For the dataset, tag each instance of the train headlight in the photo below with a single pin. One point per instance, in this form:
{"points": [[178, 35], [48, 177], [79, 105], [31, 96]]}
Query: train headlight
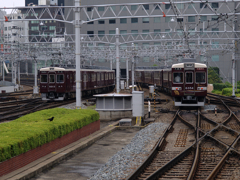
{"points": [[202, 88], [177, 88]]}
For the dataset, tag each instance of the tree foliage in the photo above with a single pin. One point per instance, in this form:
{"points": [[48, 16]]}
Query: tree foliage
{"points": [[213, 75]]}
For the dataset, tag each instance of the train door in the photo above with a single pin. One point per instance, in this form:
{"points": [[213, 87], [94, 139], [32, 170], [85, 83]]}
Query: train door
{"points": [[52, 82], [189, 83], [85, 78]]}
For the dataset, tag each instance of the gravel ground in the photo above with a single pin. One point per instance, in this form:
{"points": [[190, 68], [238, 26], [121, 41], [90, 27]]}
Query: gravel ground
{"points": [[124, 162]]}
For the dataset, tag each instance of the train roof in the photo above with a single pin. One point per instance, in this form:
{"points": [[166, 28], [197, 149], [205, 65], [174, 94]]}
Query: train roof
{"points": [[71, 69], [197, 65]]}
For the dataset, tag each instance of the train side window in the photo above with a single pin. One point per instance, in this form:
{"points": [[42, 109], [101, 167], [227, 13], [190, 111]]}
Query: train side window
{"points": [[189, 77], [98, 76], [178, 77], [60, 78], [102, 76], [85, 78], [106, 76], [43, 78], [51, 78], [200, 77], [93, 77]]}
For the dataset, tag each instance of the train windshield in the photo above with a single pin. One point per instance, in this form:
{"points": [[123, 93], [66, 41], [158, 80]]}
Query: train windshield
{"points": [[189, 77], [200, 77], [51, 78], [43, 78], [60, 78], [178, 77]]}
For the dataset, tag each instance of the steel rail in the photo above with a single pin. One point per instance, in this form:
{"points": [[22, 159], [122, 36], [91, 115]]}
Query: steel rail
{"points": [[153, 153]]}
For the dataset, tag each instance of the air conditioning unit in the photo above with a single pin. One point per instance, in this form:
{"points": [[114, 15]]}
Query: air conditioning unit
{"points": [[53, 2]]}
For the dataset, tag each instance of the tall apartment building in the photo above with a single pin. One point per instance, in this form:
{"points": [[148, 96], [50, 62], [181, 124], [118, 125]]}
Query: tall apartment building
{"points": [[214, 58]]}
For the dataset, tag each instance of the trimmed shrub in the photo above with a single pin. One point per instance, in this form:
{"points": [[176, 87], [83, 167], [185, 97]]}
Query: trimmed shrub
{"points": [[33, 130]]}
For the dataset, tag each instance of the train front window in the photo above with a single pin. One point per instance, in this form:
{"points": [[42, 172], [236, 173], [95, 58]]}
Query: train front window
{"points": [[178, 77], [189, 77], [60, 78], [43, 78], [200, 77], [51, 78]]}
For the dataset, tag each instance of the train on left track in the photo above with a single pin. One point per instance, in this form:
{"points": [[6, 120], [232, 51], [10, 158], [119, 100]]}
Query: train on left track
{"points": [[59, 83]]}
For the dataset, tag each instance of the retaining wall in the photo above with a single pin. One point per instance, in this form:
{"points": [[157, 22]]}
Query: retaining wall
{"points": [[34, 154]]}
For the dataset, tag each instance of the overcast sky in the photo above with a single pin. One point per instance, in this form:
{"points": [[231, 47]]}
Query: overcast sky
{"points": [[11, 3]]}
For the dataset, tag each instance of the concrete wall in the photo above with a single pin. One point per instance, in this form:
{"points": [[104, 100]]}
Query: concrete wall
{"points": [[8, 89], [114, 115]]}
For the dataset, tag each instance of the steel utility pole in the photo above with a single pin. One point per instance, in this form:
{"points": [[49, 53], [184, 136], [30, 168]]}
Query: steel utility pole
{"points": [[77, 51], [117, 61]]}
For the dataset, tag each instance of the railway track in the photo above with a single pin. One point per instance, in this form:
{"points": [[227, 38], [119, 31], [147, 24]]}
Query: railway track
{"points": [[27, 106], [197, 146]]}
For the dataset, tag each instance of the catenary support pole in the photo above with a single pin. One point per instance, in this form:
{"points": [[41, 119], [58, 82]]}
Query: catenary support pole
{"points": [[19, 81], [233, 73], [127, 72], [35, 88], [117, 61], [3, 72], [133, 56], [77, 51]]}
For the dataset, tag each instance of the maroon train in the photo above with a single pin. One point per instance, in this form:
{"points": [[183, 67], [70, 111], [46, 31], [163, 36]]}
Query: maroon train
{"points": [[57, 83], [186, 82]]}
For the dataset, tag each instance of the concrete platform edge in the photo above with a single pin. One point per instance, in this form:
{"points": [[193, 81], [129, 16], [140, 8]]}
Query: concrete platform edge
{"points": [[53, 158]]}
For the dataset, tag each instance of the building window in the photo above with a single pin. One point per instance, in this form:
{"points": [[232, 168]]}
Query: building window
{"points": [[167, 19], [191, 32], [112, 31], [215, 5], [101, 33], [123, 20], [123, 8], [214, 18], [9, 28], [215, 31], [191, 6], [5, 28], [44, 28], [134, 7], [157, 19], [89, 8], [101, 22], [180, 6], [34, 28], [146, 45], [35, 22], [203, 5], [191, 18], [134, 20], [145, 20], [157, 6], [145, 32], [90, 33], [113, 8], [167, 6], [100, 8], [215, 45], [180, 32], [215, 57], [112, 21], [157, 31], [134, 32], [123, 32], [203, 18], [146, 6], [52, 27]]}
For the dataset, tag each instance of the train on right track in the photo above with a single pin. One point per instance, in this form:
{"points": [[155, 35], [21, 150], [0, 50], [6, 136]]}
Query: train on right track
{"points": [[186, 82]]}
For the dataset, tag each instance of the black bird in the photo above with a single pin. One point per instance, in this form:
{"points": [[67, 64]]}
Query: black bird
{"points": [[51, 119]]}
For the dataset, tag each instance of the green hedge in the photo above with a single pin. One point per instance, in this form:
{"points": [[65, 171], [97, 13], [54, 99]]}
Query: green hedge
{"points": [[228, 92], [221, 86], [33, 130]]}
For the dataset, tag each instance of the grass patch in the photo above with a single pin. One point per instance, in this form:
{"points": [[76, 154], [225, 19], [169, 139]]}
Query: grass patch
{"points": [[92, 107], [33, 130]]}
